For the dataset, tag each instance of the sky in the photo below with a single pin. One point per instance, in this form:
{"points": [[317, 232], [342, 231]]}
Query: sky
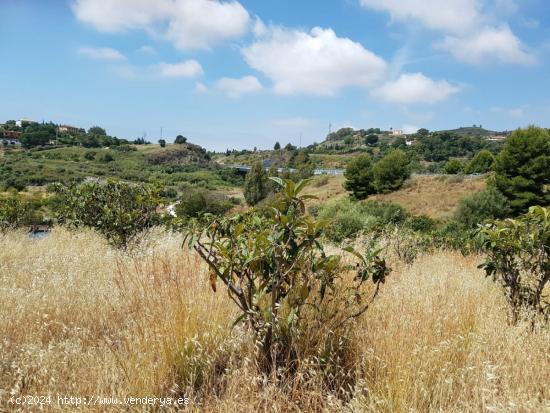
{"points": [[239, 74]]}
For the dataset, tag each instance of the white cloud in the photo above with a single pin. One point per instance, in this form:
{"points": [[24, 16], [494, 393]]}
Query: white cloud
{"points": [[318, 62], [487, 45], [234, 88], [474, 31], [201, 88], [188, 24], [148, 50], [188, 68], [415, 88], [101, 53], [449, 15]]}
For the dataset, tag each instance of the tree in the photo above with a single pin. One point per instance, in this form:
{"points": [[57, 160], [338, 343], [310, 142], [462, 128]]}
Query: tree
{"points": [[518, 257], [390, 172], [481, 163], [423, 132], [522, 168], [482, 206], [371, 139], [14, 213], [117, 210], [290, 147], [359, 177], [30, 139], [277, 146], [274, 268], [453, 167], [180, 139], [162, 143], [256, 185], [97, 130]]}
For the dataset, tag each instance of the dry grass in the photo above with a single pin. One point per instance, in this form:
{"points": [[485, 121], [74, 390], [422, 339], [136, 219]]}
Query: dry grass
{"points": [[78, 318], [435, 196]]}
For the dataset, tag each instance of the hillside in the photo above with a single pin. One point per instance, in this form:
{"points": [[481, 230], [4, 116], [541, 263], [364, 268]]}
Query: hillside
{"points": [[434, 196], [173, 165], [472, 131]]}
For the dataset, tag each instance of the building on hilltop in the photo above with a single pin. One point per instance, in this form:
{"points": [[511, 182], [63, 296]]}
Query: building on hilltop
{"points": [[397, 132], [68, 129], [24, 121]]}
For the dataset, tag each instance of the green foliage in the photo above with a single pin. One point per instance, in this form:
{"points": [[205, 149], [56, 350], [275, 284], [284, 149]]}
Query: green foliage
{"points": [[453, 167], [442, 146], [518, 257], [522, 168], [89, 155], [348, 218], [162, 143], [359, 177], [117, 210], [14, 213], [486, 205], [197, 202], [97, 130], [274, 268], [483, 162], [277, 146], [180, 139], [256, 185], [390, 172], [371, 139]]}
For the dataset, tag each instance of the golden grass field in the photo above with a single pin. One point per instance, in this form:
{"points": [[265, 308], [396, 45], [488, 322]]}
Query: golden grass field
{"points": [[80, 318], [434, 196]]}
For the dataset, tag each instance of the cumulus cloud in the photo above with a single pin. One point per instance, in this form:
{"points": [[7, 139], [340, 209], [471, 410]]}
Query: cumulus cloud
{"points": [[472, 30], [188, 68], [489, 44], [234, 88], [449, 15], [101, 53], [317, 63], [415, 88], [188, 24]]}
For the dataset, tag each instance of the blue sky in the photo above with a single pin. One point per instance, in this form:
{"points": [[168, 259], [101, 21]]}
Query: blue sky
{"points": [[242, 74]]}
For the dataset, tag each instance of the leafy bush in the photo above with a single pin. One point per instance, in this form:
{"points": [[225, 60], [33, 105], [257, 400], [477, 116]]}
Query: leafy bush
{"points": [[117, 210], [14, 213], [483, 162], [482, 206], [197, 202], [453, 167], [349, 218], [275, 269], [518, 257]]}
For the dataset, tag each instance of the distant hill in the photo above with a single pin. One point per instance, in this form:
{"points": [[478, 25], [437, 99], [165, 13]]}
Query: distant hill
{"points": [[178, 154], [472, 131]]}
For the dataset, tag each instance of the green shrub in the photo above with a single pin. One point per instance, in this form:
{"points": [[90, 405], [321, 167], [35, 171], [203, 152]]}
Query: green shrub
{"points": [[14, 213], [518, 257], [256, 185], [277, 273], [197, 202], [482, 206], [117, 210]]}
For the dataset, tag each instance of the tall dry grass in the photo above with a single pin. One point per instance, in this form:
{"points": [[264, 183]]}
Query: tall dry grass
{"points": [[79, 318]]}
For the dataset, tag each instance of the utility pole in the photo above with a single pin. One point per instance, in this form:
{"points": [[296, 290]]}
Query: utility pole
{"points": [[300, 140]]}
